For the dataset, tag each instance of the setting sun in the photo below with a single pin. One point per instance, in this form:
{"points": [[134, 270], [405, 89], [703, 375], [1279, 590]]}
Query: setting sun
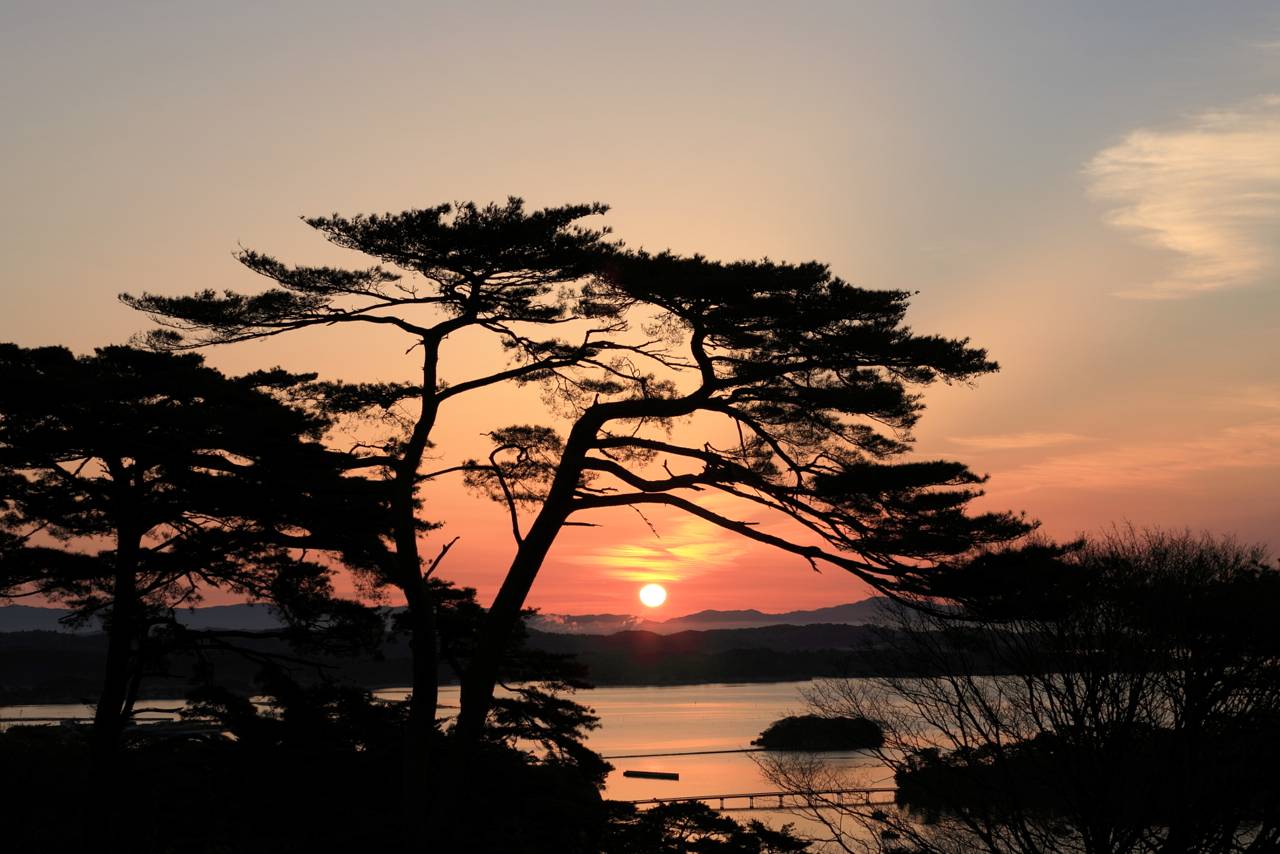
{"points": [[653, 595]]}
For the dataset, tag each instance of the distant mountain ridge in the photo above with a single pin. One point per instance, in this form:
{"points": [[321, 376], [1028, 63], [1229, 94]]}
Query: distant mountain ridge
{"points": [[866, 612], [27, 618]]}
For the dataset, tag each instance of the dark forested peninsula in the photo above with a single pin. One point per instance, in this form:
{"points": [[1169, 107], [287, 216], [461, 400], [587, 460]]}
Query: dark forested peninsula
{"points": [[56, 667]]}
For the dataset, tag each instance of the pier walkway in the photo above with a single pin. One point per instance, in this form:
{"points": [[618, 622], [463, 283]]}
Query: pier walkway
{"points": [[729, 802]]}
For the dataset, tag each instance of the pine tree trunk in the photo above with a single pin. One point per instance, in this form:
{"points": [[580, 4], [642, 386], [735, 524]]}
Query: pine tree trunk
{"points": [[423, 701], [501, 621], [424, 643], [108, 718], [417, 805]]}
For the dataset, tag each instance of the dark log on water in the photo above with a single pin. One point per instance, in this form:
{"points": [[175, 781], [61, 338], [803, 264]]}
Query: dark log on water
{"points": [[652, 775]]}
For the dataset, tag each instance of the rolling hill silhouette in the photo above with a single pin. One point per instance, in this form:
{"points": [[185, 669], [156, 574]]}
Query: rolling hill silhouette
{"points": [[27, 618]]}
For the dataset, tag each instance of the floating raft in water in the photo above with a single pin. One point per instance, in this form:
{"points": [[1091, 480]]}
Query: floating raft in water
{"points": [[652, 775]]}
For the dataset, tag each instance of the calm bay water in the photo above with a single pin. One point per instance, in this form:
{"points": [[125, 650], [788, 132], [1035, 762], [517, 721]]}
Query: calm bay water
{"points": [[673, 719]]}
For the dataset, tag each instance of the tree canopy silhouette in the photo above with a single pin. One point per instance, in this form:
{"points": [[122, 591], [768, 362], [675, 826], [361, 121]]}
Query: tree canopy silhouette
{"points": [[494, 269], [135, 481], [1125, 700], [813, 375]]}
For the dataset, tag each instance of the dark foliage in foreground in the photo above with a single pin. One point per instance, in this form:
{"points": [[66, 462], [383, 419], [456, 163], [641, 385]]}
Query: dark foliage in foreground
{"points": [[321, 773], [316, 768], [691, 828], [283, 792], [1137, 709], [1234, 774]]}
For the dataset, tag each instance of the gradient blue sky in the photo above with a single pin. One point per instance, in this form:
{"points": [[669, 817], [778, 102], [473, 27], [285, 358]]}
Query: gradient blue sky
{"points": [[1089, 190]]}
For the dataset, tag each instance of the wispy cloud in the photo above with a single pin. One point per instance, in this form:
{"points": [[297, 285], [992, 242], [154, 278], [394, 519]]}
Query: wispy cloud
{"points": [[1207, 190], [1016, 441], [686, 548], [1136, 466], [1254, 397]]}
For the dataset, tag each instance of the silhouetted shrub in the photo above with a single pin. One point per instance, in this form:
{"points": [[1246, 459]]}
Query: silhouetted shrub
{"points": [[685, 828]]}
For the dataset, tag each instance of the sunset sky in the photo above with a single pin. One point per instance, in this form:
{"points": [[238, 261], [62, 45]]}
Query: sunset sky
{"points": [[1090, 191]]}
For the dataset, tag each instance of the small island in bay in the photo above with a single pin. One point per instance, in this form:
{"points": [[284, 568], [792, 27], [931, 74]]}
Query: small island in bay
{"points": [[815, 732]]}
